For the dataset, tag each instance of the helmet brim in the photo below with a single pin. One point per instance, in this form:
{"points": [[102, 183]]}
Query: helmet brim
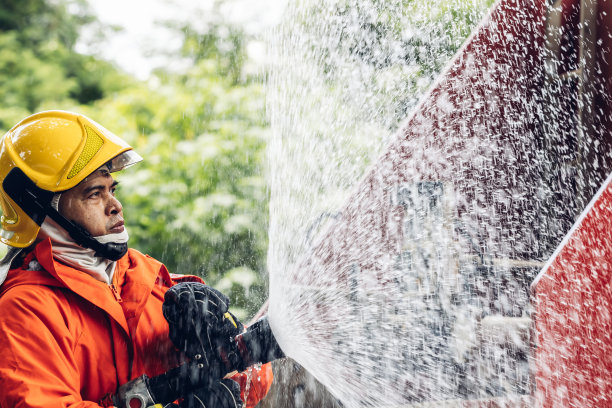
{"points": [[123, 161]]}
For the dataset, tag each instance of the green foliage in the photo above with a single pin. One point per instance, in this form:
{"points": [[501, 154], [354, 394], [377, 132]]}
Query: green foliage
{"points": [[198, 201], [410, 40], [39, 21], [222, 44], [38, 64]]}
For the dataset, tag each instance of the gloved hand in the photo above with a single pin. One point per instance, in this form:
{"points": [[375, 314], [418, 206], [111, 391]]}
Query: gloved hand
{"points": [[201, 326], [222, 394]]}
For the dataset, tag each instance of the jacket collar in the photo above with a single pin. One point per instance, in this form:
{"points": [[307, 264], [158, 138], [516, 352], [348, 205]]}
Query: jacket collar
{"points": [[137, 283]]}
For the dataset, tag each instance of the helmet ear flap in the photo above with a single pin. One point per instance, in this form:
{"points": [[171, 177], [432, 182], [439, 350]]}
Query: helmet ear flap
{"points": [[32, 199]]}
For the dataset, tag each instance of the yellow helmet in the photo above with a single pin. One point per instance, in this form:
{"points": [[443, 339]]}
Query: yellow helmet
{"points": [[46, 153]]}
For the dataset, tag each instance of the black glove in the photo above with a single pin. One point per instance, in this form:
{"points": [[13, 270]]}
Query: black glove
{"points": [[201, 326], [222, 394]]}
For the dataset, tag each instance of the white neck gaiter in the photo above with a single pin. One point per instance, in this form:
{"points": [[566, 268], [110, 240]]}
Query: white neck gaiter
{"points": [[68, 252]]}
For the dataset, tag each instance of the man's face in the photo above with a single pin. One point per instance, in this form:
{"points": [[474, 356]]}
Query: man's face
{"points": [[92, 204]]}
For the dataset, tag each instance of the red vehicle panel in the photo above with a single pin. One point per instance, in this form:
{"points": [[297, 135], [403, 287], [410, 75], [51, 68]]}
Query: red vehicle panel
{"points": [[573, 320]]}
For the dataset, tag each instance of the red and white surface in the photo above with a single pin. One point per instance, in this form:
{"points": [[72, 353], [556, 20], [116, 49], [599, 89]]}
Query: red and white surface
{"points": [[573, 313]]}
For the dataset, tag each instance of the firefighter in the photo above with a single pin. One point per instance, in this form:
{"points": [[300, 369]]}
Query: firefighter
{"points": [[80, 312]]}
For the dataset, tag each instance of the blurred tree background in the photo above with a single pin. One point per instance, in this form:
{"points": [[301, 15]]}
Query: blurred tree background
{"points": [[199, 201]]}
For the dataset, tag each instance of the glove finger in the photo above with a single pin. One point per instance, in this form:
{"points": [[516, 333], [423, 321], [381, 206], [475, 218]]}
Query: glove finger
{"points": [[216, 302], [230, 398], [208, 303], [172, 308], [223, 394], [181, 310], [180, 304], [230, 327], [207, 312], [190, 306], [190, 401], [218, 299]]}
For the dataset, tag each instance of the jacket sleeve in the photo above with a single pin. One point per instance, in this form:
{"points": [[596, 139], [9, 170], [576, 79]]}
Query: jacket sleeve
{"points": [[37, 364], [255, 383]]}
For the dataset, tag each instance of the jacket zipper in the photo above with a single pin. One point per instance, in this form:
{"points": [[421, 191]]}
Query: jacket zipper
{"points": [[113, 287], [115, 293]]}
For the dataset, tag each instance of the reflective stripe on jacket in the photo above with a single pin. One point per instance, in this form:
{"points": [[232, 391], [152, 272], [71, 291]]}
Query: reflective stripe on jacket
{"points": [[68, 340]]}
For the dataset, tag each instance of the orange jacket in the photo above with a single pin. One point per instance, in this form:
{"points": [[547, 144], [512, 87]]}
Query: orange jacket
{"points": [[68, 340]]}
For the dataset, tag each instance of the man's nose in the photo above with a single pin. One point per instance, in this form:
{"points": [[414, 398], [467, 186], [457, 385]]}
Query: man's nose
{"points": [[113, 206]]}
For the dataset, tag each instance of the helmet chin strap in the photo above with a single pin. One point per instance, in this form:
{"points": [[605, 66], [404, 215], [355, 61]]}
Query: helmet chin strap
{"points": [[109, 250], [36, 203]]}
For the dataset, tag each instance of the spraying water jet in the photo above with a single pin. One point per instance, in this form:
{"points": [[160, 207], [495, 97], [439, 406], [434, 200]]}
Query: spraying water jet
{"points": [[416, 291]]}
